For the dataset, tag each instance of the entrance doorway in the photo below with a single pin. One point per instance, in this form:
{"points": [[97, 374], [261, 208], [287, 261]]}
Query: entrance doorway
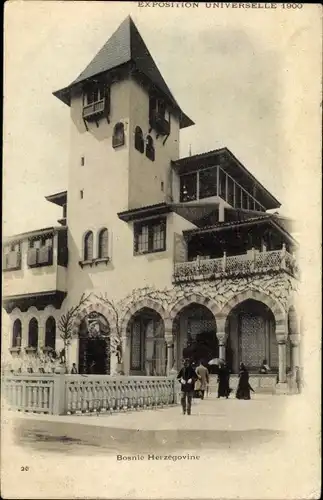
{"points": [[194, 331], [94, 345], [252, 340], [147, 343]]}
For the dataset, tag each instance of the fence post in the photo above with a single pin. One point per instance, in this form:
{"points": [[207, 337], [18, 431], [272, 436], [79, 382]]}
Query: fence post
{"points": [[59, 395], [283, 257]]}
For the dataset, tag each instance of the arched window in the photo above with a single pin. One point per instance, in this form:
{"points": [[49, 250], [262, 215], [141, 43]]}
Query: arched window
{"points": [[118, 135], [88, 246], [16, 333], [103, 252], [33, 333], [50, 332], [150, 150], [139, 140]]}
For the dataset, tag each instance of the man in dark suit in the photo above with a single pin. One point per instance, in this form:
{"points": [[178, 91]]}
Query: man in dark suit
{"points": [[187, 377]]}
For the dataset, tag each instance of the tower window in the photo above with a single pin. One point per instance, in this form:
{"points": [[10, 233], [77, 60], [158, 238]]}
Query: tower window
{"points": [[88, 246], [16, 333], [103, 251], [94, 93], [50, 332], [150, 150], [33, 333], [139, 140], [118, 135], [157, 116]]}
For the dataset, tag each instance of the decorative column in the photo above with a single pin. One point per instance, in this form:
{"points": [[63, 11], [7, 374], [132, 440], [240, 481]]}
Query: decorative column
{"points": [[41, 334], [126, 354], [170, 352], [281, 340], [221, 335], [295, 341]]}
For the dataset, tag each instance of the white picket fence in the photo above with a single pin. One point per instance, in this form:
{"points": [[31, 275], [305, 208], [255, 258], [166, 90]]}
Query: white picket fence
{"points": [[67, 394]]}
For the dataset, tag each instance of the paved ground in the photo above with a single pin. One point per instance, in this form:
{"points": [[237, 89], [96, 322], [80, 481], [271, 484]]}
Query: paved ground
{"points": [[246, 449]]}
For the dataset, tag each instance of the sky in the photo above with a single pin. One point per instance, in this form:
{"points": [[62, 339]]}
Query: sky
{"points": [[244, 76]]}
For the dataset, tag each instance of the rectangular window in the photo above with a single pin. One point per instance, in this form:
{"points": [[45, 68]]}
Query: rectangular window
{"points": [[208, 182], [150, 236], [94, 94], [188, 187]]}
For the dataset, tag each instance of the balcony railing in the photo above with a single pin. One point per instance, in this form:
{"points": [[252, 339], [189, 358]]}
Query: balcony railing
{"points": [[94, 109], [237, 265], [159, 123]]}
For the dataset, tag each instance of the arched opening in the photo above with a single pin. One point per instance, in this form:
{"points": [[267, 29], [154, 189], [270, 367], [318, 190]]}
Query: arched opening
{"points": [[16, 333], [94, 345], [118, 135], [148, 354], [251, 337], [33, 333], [103, 249], [88, 246], [139, 140], [50, 332], [150, 150], [194, 331]]}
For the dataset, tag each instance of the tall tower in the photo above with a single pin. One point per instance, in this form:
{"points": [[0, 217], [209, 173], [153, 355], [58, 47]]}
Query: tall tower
{"points": [[125, 127]]}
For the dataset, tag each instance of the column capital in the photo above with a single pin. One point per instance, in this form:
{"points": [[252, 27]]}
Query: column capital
{"points": [[281, 338], [169, 340], [222, 337], [295, 339]]}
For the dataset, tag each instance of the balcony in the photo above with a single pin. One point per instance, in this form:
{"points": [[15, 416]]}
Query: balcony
{"points": [[38, 257], [94, 110], [159, 123], [36, 276], [12, 261], [252, 262]]}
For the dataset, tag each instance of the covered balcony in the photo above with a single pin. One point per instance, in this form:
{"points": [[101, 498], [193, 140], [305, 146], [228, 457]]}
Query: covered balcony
{"points": [[35, 269], [253, 246]]}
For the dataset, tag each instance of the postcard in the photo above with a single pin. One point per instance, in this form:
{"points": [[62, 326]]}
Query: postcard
{"points": [[161, 250]]}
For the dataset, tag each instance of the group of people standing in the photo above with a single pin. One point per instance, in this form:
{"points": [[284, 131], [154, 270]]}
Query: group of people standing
{"points": [[195, 382]]}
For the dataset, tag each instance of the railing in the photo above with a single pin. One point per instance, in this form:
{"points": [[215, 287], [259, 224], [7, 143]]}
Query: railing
{"points": [[159, 123], [94, 109], [61, 394], [33, 393], [251, 263]]}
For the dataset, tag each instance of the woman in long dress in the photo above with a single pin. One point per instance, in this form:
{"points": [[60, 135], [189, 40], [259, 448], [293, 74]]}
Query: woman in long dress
{"points": [[244, 388], [223, 381]]}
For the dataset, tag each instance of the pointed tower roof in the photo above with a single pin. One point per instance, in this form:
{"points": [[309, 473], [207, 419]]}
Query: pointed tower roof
{"points": [[125, 46]]}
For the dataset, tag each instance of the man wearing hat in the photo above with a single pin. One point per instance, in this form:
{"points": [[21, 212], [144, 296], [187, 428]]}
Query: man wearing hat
{"points": [[187, 377]]}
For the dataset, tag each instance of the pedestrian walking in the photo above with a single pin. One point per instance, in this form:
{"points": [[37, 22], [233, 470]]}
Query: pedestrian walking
{"points": [[223, 381], [244, 388], [187, 378], [203, 379]]}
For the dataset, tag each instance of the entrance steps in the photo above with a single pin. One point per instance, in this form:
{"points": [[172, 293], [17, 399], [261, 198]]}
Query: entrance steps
{"points": [[263, 384]]}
